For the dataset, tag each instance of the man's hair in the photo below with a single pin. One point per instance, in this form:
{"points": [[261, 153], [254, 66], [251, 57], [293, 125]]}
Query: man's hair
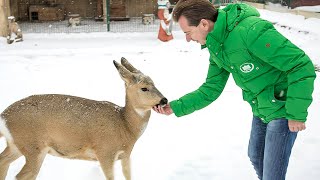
{"points": [[194, 11]]}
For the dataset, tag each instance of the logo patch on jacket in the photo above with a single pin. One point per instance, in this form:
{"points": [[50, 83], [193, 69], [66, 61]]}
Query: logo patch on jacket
{"points": [[246, 67]]}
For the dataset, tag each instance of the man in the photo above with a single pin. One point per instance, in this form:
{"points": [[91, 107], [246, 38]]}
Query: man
{"points": [[276, 77]]}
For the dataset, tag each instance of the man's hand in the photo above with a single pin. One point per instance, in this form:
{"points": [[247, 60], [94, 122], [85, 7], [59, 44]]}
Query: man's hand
{"points": [[296, 126], [163, 110]]}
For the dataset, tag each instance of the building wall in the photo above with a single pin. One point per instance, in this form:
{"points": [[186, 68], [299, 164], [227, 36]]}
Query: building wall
{"points": [[139, 7], [87, 8]]}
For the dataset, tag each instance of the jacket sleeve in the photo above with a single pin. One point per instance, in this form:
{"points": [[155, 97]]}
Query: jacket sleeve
{"points": [[265, 42], [204, 95]]}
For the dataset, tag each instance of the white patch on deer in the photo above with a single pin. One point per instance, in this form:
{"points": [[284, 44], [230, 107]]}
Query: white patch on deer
{"points": [[90, 153], [116, 157], [5, 131], [117, 108], [140, 112]]}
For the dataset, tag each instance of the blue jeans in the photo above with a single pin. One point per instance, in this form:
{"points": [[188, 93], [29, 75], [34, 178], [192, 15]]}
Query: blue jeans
{"points": [[270, 148]]}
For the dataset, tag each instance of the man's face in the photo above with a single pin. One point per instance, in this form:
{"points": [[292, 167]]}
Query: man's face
{"points": [[194, 33]]}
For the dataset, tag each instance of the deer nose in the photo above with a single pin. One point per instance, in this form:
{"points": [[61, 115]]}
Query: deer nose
{"points": [[163, 101]]}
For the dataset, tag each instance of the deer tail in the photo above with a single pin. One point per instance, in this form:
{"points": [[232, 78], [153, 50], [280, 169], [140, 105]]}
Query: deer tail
{"points": [[4, 131]]}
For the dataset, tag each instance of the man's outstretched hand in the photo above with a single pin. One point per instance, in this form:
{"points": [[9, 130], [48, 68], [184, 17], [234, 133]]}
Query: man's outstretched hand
{"points": [[166, 110]]}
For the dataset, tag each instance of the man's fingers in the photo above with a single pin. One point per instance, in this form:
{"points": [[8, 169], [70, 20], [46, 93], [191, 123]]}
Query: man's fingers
{"points": [[155, 108], [302, 127], [292, 129], [297, 128], [161, 110], [158, 109]]}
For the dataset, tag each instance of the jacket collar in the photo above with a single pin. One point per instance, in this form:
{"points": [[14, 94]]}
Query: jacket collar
{"points": [[219, 30]]}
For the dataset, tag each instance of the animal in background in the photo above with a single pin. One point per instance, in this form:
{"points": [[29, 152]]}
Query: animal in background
{"points": [[15, 29], [74, 21]]}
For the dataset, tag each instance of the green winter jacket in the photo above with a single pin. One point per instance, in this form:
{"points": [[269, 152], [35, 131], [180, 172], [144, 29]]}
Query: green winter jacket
{"points": [[276, 77]]}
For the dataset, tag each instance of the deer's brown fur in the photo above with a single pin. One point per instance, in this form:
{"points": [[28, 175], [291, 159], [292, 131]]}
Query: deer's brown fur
{"points": [[78, 128]]}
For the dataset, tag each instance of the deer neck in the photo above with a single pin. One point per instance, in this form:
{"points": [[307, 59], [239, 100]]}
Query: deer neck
{"points": [[137, 118]]}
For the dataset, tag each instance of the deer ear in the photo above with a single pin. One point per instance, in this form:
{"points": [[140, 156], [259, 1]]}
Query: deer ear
{"points": [[125, 74], [129, 66]]}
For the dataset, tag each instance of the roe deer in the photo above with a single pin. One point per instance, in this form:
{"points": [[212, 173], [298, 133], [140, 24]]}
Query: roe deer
{"points": [[78, 128]]}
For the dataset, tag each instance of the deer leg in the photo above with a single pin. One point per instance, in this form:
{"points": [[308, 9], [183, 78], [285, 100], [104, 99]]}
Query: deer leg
{"points": [[34, 160], [6, 158], [107, 163], [126, 169]]}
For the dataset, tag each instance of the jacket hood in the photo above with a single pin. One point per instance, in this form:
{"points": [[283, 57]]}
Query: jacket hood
{"points": [[228, 19], [237, 12]]}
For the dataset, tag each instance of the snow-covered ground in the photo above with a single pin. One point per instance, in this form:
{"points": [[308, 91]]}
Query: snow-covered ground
{"points": [[206, 145], [309, 8]]}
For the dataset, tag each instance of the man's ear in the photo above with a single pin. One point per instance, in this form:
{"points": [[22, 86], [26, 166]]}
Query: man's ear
{"points": [[204, 23]]}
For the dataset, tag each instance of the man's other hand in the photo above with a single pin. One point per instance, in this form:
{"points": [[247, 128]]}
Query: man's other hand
{"points": [[296, 126]]}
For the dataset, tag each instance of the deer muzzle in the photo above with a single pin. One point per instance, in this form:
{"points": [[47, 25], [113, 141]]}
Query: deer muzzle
{"points": [[163, 102]]}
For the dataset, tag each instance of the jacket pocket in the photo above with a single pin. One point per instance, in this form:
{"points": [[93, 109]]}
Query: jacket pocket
{"points": [[267, 103], [280, 91]]}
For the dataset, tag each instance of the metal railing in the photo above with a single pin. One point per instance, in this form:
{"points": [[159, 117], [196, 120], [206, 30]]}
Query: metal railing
{"points": [[132, 21]]}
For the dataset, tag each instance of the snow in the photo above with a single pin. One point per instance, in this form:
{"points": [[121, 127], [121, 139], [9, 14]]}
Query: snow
{"points": [[208, 144], [309, 8]]}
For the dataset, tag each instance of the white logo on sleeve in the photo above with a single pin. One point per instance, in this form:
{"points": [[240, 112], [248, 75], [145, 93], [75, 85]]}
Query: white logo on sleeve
{"points": [[246, 67]]}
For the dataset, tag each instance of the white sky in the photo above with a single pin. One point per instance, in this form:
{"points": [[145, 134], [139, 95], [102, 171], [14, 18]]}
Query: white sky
{"points": [[206, 145]]}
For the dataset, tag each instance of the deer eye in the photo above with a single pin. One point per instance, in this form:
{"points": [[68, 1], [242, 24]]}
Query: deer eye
{"points": [[144, 89]]}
